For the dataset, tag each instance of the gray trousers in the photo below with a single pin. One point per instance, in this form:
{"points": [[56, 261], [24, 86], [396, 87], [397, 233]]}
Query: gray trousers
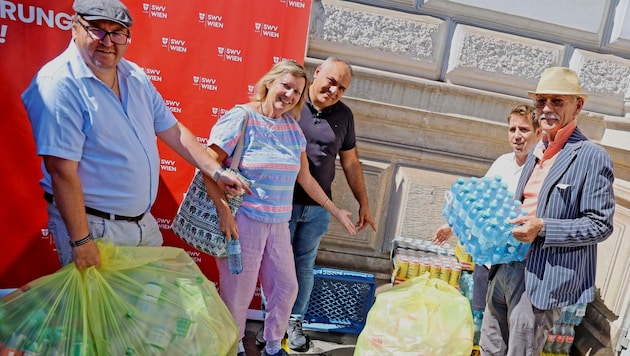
{"points": [[145, 232], [511, 324]]}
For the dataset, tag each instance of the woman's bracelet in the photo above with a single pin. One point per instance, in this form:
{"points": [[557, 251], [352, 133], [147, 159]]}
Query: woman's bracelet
{"points": [[217, 174], [326, 203], [83, 241]]}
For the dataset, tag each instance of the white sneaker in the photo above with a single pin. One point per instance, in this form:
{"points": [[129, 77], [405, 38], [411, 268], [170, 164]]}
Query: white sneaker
{"points": [[297, 340]]}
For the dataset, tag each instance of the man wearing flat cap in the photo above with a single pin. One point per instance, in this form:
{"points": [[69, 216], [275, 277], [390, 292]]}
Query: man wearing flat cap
{"points": [[95, 117], [567, 188]]}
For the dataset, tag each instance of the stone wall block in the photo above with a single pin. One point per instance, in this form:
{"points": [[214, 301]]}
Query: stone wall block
{"points": [[580, 22], [499, 62], [607, 80], [620, 34], [386, 40]]}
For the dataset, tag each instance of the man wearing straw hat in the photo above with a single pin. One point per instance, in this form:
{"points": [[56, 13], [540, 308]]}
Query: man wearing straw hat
{"points": [[567, 188]]}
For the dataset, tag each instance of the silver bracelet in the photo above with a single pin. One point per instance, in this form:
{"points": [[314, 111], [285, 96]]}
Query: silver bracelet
{"points": [[217, 174]]}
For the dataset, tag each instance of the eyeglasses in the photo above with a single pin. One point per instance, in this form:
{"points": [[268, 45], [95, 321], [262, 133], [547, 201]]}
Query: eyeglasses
{"points": [[557, 103], [95, 33]]}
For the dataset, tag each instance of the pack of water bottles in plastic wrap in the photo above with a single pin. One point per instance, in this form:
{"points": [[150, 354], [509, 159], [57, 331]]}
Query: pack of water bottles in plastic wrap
{"points": [[479, 210]]}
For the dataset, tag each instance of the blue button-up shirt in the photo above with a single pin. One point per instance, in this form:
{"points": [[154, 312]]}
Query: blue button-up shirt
{"points": [[76, 116]]}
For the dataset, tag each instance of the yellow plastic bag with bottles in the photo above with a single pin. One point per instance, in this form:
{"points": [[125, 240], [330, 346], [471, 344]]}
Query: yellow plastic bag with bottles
{"points": [[421, 316], [140, 301]]}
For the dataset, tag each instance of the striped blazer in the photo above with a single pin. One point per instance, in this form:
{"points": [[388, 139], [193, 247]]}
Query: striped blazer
{"points": [[577, 203]]}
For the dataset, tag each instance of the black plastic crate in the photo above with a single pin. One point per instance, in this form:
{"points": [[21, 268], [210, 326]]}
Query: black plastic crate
{"points": [[340, 300]]}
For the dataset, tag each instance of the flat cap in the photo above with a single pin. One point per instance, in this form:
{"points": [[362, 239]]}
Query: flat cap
{"points": [[110, 10]]}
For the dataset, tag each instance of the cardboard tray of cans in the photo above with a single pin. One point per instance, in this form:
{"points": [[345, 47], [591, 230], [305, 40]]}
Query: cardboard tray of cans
{"points": [[413, 257]]}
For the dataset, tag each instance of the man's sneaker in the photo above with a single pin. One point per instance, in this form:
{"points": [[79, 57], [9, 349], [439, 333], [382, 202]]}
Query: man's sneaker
{"points": [[260, 338], [279, 353], [297, 340]]}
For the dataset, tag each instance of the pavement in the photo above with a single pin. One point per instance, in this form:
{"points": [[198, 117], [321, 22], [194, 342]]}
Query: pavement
{"points": [[323, 343]]}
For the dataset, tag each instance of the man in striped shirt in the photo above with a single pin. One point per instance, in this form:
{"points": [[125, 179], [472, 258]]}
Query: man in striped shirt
{"points": [[567, 186]]}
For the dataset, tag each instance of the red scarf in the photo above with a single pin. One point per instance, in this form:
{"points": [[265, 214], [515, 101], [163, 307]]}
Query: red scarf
{"points": [[550, 148]]}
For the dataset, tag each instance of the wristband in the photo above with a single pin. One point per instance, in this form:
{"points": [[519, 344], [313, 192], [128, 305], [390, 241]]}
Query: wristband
{"points": [[83, 241], [217, 174], [326, 203]]}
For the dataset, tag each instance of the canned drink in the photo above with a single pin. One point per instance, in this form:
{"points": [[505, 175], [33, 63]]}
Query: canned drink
{"points": [[403, 266], [414, 265], [425, 265], [434, 270], [445, 272], [454, 278]]}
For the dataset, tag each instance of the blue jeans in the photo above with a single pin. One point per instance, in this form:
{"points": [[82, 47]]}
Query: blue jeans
{"points": [[308, 225]]}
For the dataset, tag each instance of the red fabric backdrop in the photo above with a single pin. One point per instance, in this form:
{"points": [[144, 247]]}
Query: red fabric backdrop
{"points": [[203, 57]]}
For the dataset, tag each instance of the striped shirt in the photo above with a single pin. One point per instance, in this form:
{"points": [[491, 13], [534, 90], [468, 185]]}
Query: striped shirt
{"points": [[271, 159]]}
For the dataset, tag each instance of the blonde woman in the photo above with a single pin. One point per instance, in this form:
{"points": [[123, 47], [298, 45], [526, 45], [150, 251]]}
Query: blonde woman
{"points": [[274, 159]]}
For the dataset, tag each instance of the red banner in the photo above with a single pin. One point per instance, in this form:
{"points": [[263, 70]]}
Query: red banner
{"points": [[203, 57]]}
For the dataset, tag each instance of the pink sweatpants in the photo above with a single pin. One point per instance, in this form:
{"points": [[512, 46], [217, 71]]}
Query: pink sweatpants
{"points": [[268, 255]]}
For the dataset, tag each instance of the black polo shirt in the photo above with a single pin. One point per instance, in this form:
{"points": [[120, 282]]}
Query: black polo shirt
{"points": [[327, 132]]}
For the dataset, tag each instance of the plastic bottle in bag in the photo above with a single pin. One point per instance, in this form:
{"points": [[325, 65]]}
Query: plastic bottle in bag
{"points": [[14, 346], [148, 301]]}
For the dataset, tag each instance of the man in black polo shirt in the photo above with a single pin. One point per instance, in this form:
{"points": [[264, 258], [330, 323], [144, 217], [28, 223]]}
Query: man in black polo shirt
{"points": [[328, 125]]}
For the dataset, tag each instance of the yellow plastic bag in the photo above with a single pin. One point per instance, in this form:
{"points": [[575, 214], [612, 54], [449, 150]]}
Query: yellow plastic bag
{"points": [[421, 316], [140, 301]]}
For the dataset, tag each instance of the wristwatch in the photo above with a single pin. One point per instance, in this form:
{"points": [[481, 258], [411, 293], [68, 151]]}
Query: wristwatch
{"points": [[217, 174], [543, 230]]}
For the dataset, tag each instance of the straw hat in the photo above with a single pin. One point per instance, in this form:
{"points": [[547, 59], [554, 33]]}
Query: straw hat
{"points": [[558, 80]]}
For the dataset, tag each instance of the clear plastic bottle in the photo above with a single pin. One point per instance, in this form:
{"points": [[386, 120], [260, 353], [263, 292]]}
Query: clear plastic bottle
{"points": [[477, 319], [148, 300], [235, 259], [560, 337], [480, 223], [552, 334], [580, 312], [569, 337], [489, 234], [15, 345], [449, 203], [458, 200], [472, 215]]}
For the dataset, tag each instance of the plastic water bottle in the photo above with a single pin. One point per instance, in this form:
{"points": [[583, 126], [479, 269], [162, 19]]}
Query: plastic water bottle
{"points": [[477, 319], [472, 215], [560, 337], [580, 311], [486, 242], [569, 337], [478, 226], [552, 334], [458, 199], [467, 205], [148, 301], [449, 196], [235, 259]]}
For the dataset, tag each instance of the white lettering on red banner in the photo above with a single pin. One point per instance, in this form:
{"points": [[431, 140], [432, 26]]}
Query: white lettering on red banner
{"points": [[157, 11]]}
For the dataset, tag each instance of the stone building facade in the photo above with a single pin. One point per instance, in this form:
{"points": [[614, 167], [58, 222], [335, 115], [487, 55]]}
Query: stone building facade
{"points": [[433, 83]]}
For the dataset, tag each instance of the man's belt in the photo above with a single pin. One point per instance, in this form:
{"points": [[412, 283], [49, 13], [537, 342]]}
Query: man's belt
{"points": [[101, 214]]}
